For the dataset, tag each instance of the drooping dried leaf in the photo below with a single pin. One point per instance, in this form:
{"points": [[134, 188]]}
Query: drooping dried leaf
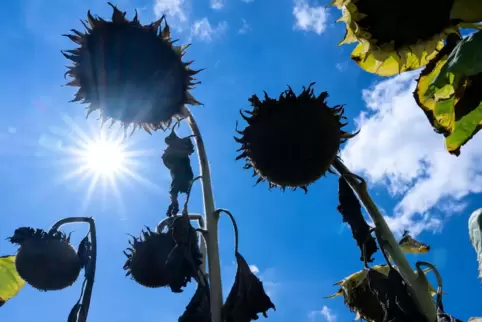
{"points": [[199, 308], [247, 297], [394, 297], [176, 159], [409, 245], [350, 210], [185, 259], [444, 317], [84, 251]]}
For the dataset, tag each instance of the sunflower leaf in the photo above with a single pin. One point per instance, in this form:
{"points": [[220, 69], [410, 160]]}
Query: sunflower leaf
{"points": [[10, 281], [448, 91], [247, 297], [350, 210], [475, 233]]}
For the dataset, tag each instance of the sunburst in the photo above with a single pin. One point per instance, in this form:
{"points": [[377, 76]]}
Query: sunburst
{"points": [[103, 158]]}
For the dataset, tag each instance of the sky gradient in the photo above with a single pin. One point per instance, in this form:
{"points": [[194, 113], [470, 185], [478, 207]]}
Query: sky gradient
{"points": [[295, 242]]}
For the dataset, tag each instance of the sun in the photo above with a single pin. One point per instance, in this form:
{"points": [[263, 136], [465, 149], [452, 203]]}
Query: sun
{"points": [[104, 157]]}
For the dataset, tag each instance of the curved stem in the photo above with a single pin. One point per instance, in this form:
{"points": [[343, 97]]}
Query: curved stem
{"points": [[84, 311], [235, 227], [437, 276], [214, 266], [421, 294]]}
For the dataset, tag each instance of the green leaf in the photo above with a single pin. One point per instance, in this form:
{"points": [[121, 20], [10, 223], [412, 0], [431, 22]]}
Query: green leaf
{"points": [[475, 233], [10, 282], [464, 61], [448, 90]]}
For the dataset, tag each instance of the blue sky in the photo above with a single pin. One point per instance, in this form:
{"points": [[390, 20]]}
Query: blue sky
{"points": [[295, 241]]}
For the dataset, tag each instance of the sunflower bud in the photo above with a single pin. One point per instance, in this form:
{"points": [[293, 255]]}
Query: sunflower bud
{"points": [[130, 72], [47, 261], [293, 140]]}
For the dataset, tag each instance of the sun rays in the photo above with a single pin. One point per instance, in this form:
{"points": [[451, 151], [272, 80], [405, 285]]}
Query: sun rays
{"points": [[101, 159]]}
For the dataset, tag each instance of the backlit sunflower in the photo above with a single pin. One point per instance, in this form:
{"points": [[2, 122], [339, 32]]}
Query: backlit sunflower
{"points": [[394, 36], [130, 72]]}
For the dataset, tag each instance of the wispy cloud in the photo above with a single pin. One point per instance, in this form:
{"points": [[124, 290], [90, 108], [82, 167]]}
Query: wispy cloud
{"points": [[217, 4], [203, 30], [398, 148], [309, 18], [326, 313], [341, 67], [245, 27], [177, 11]]}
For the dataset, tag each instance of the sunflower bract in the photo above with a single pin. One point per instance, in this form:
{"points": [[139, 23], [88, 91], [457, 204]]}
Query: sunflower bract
{"points": [[130, 72], [394, 36], [293, 140]]}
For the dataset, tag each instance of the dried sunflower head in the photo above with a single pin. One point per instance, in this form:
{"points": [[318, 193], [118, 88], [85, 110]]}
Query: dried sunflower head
{"points": [[397, 35], [147, 257], [247, 298], [130, 72], [293, 140], [47, 261], [358, 296]]}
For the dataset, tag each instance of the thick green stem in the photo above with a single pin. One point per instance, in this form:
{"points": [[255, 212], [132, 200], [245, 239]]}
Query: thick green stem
{"points": [[84, 311], [214, 266], [419, 291], [467, 10]]}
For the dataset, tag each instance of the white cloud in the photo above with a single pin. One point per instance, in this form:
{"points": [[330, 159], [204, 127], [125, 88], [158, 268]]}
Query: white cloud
{"points": [[177, 12], [325, 312], [245, 27], [254, 269], [217, 4], [203, 30], [309, 18], [397, 147]]}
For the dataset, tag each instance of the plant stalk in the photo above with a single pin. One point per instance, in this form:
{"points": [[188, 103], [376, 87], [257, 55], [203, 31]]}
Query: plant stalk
{"points": [[211, 220], [87, 295], [419, 290]]}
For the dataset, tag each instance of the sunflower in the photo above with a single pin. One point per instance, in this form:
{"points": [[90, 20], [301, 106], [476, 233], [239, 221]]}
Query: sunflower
{"points": [[147, 257], [293, 140], [130, 72], [47, 261], [394, 36]]}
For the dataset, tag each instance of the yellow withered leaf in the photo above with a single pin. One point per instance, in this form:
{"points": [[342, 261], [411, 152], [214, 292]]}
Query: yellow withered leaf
{"points": [[10, 282]]}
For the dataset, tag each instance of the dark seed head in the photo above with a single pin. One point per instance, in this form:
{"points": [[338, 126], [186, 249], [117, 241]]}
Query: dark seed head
{"points": [[293, 140], [130, 72], [46, 260], [146, 260]]}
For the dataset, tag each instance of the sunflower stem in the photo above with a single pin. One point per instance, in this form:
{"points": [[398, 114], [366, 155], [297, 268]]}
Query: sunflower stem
{"points": [[87, 295], [211, 220], [419, 290]]}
